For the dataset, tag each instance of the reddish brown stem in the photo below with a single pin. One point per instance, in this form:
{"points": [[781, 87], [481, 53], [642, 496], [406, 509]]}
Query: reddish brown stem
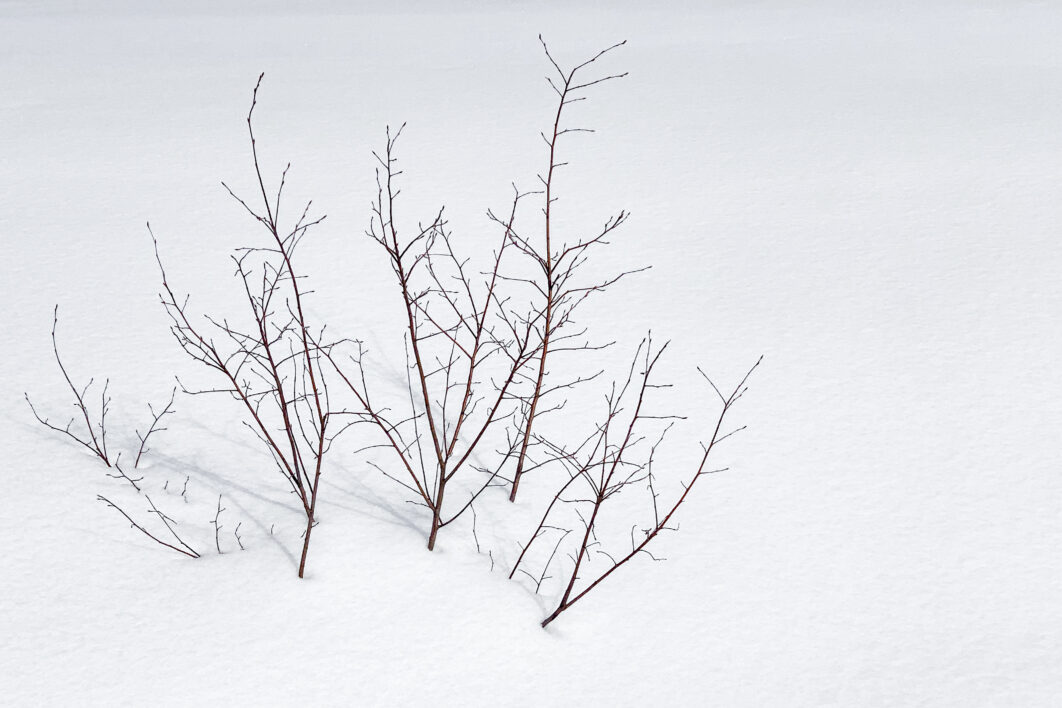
{"points": [[96, 445], [661, 524], [546, 258], [274, 385], [450, 337]]}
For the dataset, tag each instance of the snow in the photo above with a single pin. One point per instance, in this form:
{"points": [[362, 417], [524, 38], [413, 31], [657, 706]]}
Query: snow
{"points": [[869, 196]]}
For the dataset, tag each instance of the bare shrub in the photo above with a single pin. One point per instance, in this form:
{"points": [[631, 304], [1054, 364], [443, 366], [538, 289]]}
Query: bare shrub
{"points": [[615, 457], [274, 366], [155, 427], [464, 351], [558, 292], [481, 342]]}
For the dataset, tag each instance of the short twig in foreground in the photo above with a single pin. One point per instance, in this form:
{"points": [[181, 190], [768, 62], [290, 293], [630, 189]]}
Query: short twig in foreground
{"points": [[167, 522], [119, 473], [217, 526], [154, 428]]}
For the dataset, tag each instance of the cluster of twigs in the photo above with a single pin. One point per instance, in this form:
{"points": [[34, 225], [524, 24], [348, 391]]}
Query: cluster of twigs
{"points": [[610, 461], [459, 327], [480, 346], [94, 439], [456, 329], [274, 366], [557, 292]]}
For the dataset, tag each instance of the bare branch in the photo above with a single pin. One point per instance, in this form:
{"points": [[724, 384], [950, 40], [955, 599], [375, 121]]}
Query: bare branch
{"points": [[96, 432], [185, 551]]}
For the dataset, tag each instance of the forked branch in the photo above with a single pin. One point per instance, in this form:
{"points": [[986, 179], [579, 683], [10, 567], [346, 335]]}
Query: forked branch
{"points": [[558, 297], [459, 335], [184, 548], [155, 427], [94, 438], [274, 369], [610, 469]]}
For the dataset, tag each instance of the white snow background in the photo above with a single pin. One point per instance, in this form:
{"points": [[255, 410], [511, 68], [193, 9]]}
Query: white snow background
{"points": [[870, 194]]}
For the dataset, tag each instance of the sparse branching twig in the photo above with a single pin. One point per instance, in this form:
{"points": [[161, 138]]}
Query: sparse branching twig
{"points": [[156, 419], [185, 549], [273, 368], [557, 262], [95, 436], [611, 467], [459, 336], [217, 526], [119, 473]]}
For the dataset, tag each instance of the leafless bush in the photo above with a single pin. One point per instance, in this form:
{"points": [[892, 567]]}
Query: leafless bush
{"points": [[617, 454], [558, 292], [615, 457], [274, 366], [481, 343], [460, 326], [464, 351]]}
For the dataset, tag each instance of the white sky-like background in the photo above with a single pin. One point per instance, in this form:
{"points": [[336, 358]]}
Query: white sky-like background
{"points": [[869, 197]]}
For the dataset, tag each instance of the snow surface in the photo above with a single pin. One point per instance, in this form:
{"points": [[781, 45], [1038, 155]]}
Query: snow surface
{"points": [[868, 194]]}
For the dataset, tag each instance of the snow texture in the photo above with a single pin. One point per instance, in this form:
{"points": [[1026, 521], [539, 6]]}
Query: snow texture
{"points": [[866, 193]]}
